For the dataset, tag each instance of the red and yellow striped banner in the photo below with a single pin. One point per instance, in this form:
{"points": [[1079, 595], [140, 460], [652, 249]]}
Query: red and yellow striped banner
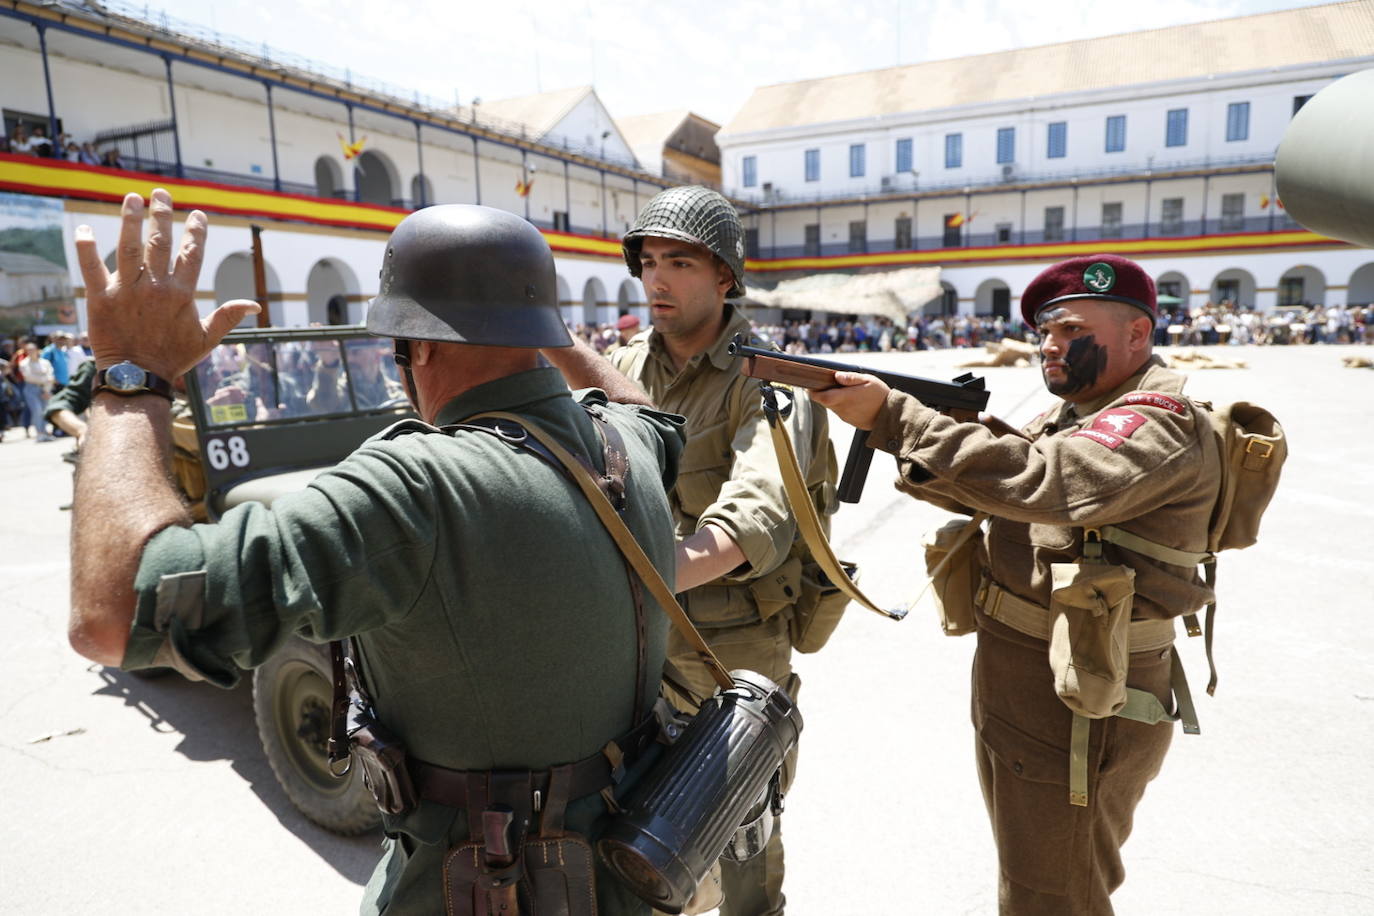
{"points": [[1053, 251], [56, 178]]}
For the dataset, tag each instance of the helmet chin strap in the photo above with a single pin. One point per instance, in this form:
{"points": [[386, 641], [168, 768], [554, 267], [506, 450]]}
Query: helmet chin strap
{"points": [[401, 349]]}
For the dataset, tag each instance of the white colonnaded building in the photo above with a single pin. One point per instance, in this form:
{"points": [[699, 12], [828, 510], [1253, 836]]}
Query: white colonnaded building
{"points": [[323, 162], [1158, 145]]}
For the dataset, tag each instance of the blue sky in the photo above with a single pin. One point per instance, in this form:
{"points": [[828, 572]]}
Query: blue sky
{"points": [[706, 56]]}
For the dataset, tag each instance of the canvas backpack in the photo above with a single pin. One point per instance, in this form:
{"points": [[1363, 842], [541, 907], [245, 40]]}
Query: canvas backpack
{"points": [[1252, 449]]}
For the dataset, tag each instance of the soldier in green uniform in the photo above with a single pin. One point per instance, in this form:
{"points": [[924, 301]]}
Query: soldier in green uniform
{"points": [[499, 634], [739, 560], [1098, 507]]}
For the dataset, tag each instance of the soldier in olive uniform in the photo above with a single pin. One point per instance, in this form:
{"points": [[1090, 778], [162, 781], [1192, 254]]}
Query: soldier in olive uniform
{"points": [[738, 558], [419, 545], [1125, 456]]}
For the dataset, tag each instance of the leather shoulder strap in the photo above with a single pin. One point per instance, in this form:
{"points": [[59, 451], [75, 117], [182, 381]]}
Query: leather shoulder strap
{"points": [[625, 540]]}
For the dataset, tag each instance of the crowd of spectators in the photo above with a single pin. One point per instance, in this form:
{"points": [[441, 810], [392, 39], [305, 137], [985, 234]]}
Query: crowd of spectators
{"points": [[30, 374], [1227, 323], [308, 381], [33, 140], [1212, 324], [842, 335]]}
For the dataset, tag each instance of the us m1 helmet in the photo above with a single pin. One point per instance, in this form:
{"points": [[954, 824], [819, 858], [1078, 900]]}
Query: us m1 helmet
{"points": [[691, 214], [467, 274]]}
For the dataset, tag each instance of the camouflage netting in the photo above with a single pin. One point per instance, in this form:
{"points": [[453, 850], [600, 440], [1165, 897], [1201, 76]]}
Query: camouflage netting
{"points": [[691, 214]]}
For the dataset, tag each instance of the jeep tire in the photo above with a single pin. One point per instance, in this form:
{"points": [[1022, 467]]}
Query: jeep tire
{"points": [[292, 693]]}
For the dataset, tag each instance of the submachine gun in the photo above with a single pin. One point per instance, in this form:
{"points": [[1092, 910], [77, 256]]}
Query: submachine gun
{"points": [[962, 398]]}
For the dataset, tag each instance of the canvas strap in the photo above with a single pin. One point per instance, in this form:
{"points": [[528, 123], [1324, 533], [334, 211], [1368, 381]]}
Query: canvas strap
{"points": [[804, 510], [1137, 544], [626, 542]]}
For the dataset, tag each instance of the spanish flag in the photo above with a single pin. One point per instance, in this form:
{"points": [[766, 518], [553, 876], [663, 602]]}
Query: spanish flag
{"points": [[351, 150], [955, 220], [522, 187], [1264, 201]]}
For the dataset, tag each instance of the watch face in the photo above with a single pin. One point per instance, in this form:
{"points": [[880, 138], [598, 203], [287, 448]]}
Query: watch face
{"points": [[125, 377]]}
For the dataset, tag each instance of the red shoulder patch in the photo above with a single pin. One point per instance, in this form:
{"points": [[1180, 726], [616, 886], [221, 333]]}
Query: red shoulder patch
{"points": [[1113, 427], [1155, 399]]}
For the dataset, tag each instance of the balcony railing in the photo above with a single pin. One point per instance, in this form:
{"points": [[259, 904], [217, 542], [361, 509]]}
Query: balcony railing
{"points": [[1280, 222], [904, 186]]}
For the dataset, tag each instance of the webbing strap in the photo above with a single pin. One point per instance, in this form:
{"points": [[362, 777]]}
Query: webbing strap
{"points": [[1141, 706], [808, 522], [1078, 761], [626, 542], [1208, 561], [1034, 620], [1211, 576], [1138, 544]]}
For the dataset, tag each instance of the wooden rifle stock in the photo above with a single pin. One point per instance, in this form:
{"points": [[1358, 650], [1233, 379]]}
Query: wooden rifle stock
{"points": [[962, 398]]}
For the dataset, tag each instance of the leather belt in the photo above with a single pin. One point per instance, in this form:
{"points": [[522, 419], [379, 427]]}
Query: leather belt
{"points": [[1034, 620], [588, 776]]}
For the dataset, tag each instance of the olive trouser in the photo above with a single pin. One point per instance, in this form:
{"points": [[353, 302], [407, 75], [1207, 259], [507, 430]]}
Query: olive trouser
{"points": [[752, 888], [1053, 857]]}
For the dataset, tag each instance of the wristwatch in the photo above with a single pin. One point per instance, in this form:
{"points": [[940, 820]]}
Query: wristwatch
{"points": [[126, 379]]}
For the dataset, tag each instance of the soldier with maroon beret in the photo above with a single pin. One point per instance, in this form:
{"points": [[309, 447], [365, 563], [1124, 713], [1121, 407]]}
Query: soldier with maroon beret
{"points": [[1125, 459]]}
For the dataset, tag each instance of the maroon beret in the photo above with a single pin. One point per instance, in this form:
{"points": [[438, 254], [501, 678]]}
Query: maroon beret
{"points": [[1095, 276], [625, 322]]}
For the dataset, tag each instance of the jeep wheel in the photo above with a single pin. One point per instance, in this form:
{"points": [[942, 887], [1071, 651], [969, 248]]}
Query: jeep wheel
{"points": [[291, 699]]}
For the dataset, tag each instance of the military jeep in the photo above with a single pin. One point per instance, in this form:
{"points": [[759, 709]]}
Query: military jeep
{"points": [[273, 408]]}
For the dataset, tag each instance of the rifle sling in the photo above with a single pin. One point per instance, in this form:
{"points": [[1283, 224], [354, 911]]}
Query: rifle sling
{"points": [[626, 542], [808, 522]]}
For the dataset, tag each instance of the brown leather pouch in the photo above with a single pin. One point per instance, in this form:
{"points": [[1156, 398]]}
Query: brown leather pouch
{"points": [[553, 877]]}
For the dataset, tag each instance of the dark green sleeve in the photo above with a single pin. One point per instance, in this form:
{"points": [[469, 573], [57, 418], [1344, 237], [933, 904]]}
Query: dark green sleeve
{"points": [[350, 552], [664, 432], [76, 394]]}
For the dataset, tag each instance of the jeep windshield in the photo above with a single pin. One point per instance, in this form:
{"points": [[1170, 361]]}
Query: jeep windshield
{"points": [[274, 406]]}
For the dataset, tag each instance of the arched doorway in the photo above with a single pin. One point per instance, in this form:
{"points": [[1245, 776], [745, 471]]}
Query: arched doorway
{"points": [[630, 300], [1234, 285], [593, 294], [234, 280], [1361, 289], [566, 306], [375, 178], [993, 297], [331, 294], [1173, 284], [947, 303], [1302, 285], [421, 192], [328, 178]]}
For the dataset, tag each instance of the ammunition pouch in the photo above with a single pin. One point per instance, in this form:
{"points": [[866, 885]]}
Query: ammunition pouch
{"points": [[1090, 618], [819, 609], [953, 562], [717, 606], [779, 589]]}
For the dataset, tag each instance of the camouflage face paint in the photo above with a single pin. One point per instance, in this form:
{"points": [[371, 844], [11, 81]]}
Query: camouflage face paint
{"points": [[1084, 364]]}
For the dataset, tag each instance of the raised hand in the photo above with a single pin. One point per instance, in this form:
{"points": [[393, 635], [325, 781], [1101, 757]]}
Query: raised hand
{"points": [[146, 311]]}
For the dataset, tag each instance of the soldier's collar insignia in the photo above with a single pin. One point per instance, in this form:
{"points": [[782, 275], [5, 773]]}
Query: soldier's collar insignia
{"points": [[1099, 277]]}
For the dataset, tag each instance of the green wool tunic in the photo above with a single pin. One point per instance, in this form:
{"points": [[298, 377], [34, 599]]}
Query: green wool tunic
{"points": [[493, 610]]}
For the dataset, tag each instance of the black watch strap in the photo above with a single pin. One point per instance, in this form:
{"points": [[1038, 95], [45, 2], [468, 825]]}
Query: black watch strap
{"points": [[152, 384]]}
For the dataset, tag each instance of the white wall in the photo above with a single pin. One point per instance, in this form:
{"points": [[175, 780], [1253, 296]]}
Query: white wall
{"points": [[780, 153]]}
